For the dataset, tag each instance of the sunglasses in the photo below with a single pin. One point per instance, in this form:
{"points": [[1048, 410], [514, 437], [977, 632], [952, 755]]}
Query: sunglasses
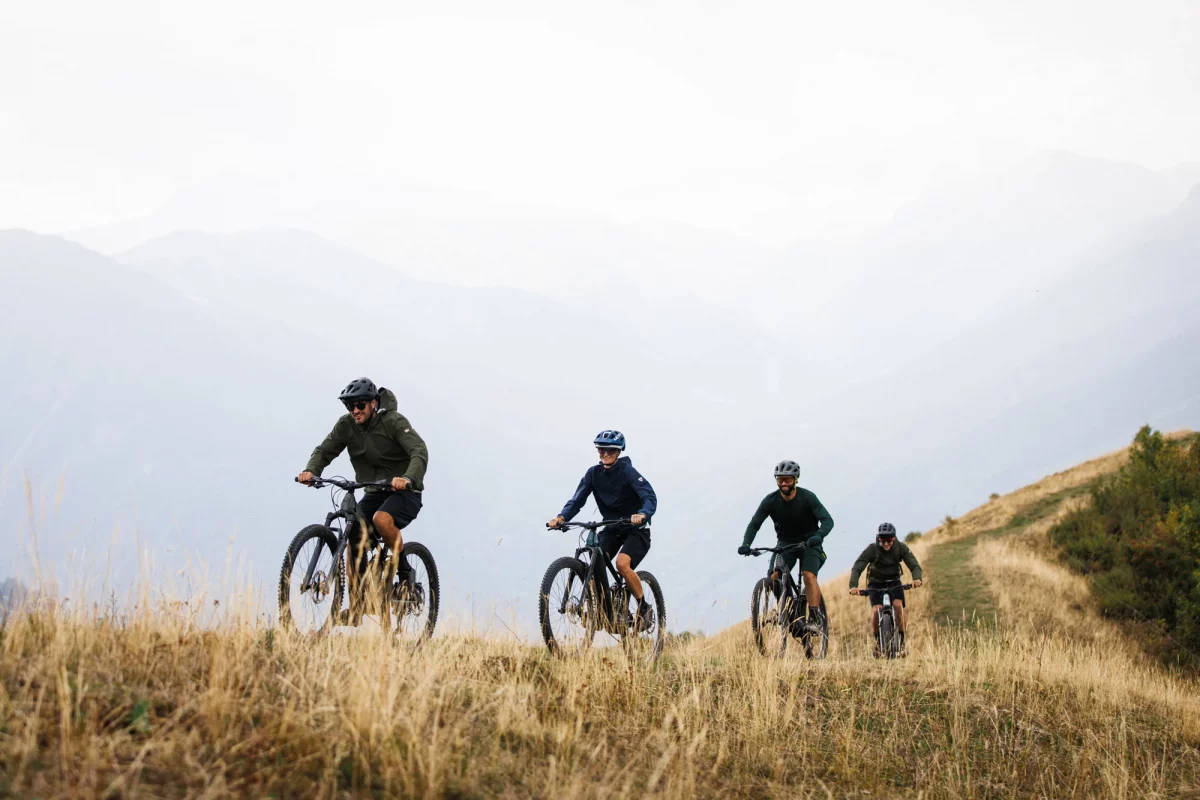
{"points": [[359, 405], [608, 451]]}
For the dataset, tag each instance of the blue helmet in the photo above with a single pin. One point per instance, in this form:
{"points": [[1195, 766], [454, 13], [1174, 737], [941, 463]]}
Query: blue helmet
{"points": [[610, 439]]}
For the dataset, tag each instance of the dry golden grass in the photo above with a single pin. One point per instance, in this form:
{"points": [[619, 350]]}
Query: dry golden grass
{"points": [[1051, 702]]}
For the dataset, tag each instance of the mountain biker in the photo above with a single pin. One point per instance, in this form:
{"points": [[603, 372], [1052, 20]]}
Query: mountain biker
{"points": [[383, 446], [620, 492], [799, 517], [882, 561]]}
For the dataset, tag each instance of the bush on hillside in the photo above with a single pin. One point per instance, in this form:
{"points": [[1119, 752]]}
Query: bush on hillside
{"points": [[1139, 540], [912, 536]]}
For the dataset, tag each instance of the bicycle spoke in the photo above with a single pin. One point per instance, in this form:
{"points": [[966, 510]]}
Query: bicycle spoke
{"points": [[311, 606]]}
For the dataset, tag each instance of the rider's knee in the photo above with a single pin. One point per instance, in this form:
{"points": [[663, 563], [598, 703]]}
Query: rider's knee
{"points": [[624, 563], [383, 520]]}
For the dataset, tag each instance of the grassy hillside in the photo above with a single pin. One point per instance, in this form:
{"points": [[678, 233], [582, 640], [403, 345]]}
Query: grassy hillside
{"points": [[1045, 700]]}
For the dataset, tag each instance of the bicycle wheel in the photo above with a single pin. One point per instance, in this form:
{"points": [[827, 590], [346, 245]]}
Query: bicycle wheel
{"points": [[410, 607], [567, 607], [645, 639], [888, 640], [816, 644], [313, 609], [766, 618]]}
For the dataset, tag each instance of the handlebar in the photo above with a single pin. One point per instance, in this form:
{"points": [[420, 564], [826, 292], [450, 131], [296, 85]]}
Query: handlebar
{"points": [[791, 548], [342, 483], [885, 588], [591, 526]]}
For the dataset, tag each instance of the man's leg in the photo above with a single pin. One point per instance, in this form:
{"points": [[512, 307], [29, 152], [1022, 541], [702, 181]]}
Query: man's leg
{"points": [[396, 565], [625, 567], [356, 556], [812, 590], [875, 619], [396, 512], [898, 604]]}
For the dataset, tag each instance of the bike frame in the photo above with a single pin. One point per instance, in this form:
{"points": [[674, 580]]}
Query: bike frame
{"points": [[347, 511], [791, 589], [599, 557]]}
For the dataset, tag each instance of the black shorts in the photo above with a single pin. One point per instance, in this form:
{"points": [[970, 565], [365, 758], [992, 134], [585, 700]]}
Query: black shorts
{"points": [[875, 590], [403, 506], [633, 542]]}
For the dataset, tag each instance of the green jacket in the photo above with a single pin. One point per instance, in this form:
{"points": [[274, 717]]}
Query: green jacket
{"points": [[386, 447], [884, 566]]}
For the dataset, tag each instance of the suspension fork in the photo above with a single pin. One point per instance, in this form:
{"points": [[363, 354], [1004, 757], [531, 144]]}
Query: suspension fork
{"points": [[337, 553]]}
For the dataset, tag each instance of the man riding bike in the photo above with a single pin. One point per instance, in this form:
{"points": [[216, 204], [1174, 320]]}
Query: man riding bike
{"points": [[621, 492], [799, 517], [382, 445], [882, 561]]}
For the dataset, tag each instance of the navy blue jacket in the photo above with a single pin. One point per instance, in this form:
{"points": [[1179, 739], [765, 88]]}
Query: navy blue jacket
{"points": [[620, 492]]}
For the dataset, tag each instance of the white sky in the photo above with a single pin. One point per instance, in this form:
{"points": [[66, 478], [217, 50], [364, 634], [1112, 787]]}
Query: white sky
{"points": [[773, 120]]}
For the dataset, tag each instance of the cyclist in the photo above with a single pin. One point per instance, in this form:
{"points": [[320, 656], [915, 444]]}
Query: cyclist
{"points": [[799, 517], [382, 445], [882, 562], [620, 492]]}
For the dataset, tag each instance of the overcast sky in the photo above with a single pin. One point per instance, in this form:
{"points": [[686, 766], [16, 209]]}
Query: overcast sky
{"points": [[773, 120]]}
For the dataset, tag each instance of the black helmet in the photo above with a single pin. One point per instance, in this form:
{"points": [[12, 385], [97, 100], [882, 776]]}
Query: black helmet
{"points": [[359, 389], [886, 531], [788, 469]]}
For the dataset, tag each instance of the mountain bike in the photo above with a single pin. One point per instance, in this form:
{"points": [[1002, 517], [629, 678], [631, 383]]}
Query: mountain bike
{"points": [[887, 641], [779, 610], [576, 601], [312, 582]]}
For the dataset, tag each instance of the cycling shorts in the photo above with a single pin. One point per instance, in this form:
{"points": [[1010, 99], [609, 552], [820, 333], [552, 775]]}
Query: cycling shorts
{"points": [[632, 541]]}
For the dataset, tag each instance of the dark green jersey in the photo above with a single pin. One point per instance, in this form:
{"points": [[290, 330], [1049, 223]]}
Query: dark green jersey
{"points": [[883, 566], [386, 447], [795, 520]]}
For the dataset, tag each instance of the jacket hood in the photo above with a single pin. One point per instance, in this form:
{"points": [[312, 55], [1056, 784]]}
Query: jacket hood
{"points": [[387, 400]]}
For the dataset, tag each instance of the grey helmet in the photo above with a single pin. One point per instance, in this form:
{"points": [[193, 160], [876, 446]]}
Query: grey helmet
{"points": [[788, 469], [359, 389], [886, 531]]}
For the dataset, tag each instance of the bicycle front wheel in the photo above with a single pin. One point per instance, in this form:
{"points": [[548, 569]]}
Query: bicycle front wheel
{"points": [[567, 607], [889, 641], [311, 609], [766, 618]]}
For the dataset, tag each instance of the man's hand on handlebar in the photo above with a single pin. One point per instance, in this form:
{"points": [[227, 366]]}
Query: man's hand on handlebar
{"points": [[744, 550], [554, 523], [305, 478], [400, 484], [637, 519], [856, 591], [917, 583]]}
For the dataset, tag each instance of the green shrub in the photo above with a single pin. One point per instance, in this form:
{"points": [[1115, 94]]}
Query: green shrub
{"points": [[912, 536], [1139, 540]]}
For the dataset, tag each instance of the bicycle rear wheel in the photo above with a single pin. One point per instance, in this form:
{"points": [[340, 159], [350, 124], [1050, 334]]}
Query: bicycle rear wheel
{"points": [[816, 643], [644, 641], [766, 618], [410, 607], [313, 609], [567, 607]]}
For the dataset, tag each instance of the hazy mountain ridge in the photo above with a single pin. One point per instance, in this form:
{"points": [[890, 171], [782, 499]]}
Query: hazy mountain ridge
{"points": [[511, 383]]}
